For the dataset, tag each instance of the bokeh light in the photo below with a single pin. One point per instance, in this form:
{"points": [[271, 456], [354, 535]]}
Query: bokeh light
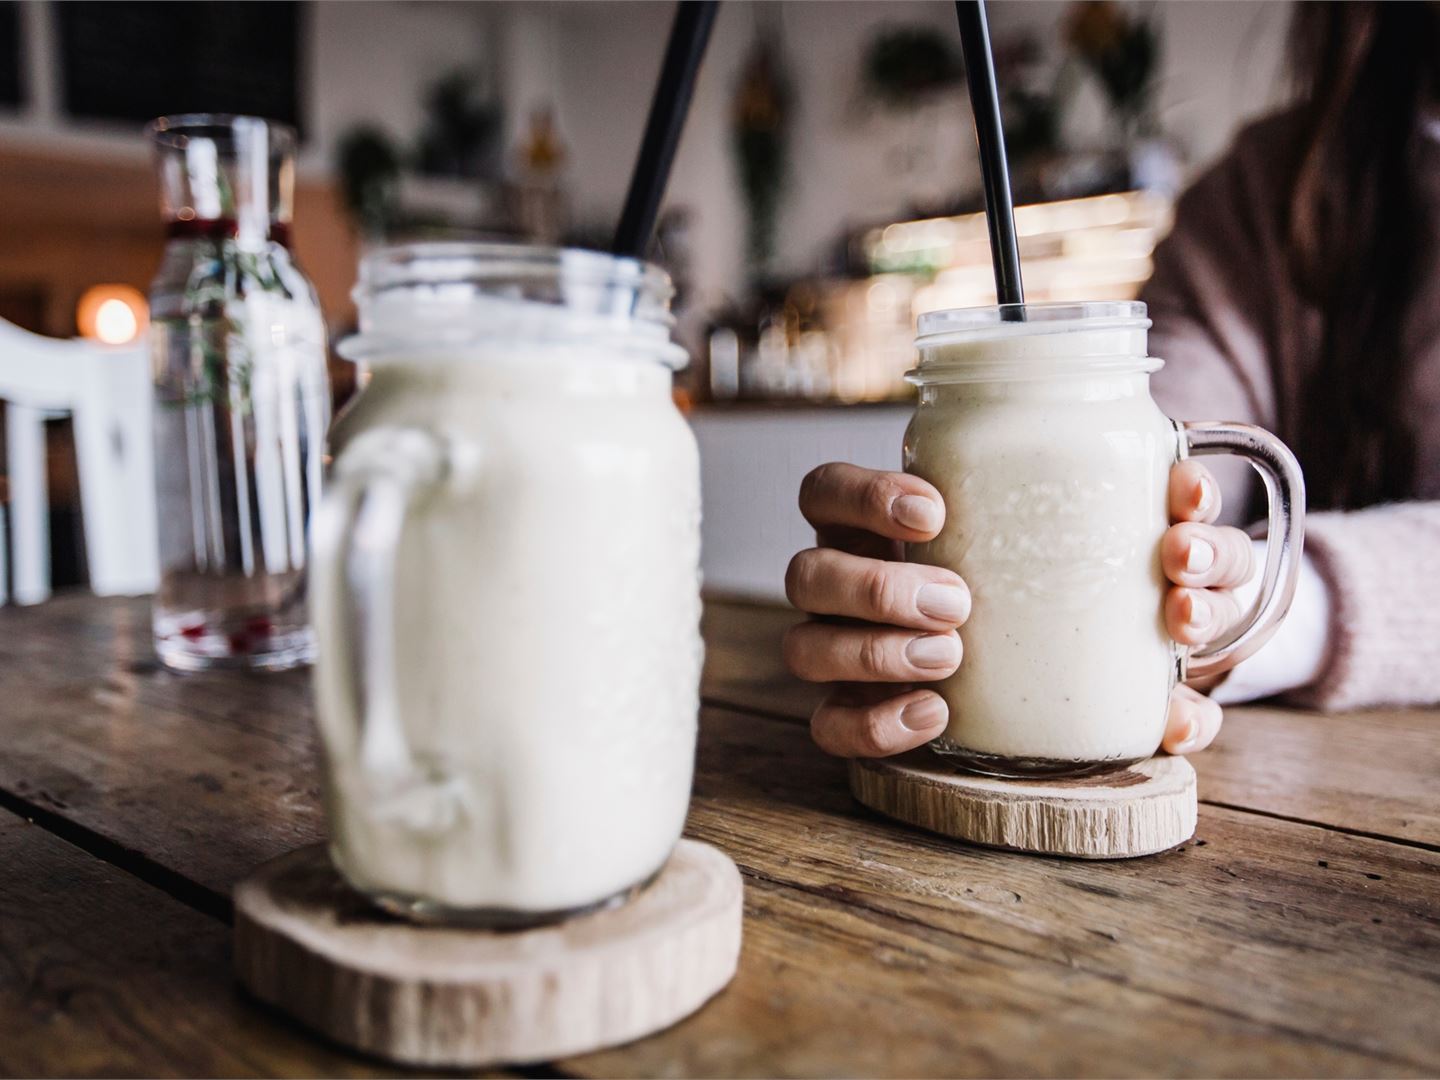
{"points": [[112, 314]]}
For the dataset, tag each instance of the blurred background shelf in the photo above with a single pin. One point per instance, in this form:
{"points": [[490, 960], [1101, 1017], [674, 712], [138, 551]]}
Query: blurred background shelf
{"points": [[825, 191]]}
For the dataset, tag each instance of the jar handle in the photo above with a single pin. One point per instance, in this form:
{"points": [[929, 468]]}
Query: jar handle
{"points": [[1285, 491], [376, 481]]}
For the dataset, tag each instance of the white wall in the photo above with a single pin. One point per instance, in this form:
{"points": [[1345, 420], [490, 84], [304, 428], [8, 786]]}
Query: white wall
{"points": [[369, 60], [842, 162], [751, 465], [1221, 66]]}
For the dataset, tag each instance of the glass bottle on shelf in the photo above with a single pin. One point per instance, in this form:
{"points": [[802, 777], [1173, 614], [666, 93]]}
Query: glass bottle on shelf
{"points": [[241, 398]]}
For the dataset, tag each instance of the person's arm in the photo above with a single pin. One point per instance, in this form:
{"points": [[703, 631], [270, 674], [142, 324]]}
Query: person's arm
{"points": [[1365, 627], [1208, 300], [1382, 566], [1296, 656]]}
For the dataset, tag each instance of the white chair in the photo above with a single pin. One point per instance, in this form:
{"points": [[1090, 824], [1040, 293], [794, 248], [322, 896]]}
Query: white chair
{"points": [[106, 391]]}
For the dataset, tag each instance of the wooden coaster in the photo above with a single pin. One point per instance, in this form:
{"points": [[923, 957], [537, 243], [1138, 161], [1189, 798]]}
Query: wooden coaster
{"points": [[309, 945], [1140, 810]]}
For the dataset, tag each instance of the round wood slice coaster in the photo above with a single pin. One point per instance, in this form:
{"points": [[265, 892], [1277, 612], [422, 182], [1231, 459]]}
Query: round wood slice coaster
{"points": [[1139, 810], [423, 995]]}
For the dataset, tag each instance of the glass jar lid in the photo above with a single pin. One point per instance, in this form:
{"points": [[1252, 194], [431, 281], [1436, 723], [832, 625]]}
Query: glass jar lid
{"points": [[443, 295], [1019, 341], [937, 327]]}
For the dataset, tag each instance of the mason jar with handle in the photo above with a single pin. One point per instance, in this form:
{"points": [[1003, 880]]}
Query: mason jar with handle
{"points": [[1036, 425], [506, 586]]}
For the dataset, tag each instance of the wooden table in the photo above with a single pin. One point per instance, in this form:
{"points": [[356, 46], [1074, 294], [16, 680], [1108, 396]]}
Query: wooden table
{"points": [[1299, 933]]}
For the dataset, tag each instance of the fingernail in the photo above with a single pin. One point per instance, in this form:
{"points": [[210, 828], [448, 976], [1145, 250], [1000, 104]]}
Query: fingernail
{"points": [[1200, 612], [938, 651], [1188, 734], [1200, 557], [948, 603], [929, 712], [1206, 497], [916, 512]]}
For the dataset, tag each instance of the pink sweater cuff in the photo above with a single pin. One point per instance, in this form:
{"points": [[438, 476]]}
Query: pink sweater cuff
{"points": [[1383, 569]]}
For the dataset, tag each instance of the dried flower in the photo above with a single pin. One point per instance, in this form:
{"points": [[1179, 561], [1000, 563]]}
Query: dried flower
{"points": [[1094, 27]]}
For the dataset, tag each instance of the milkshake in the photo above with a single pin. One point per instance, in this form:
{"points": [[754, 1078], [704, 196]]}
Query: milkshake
{"points": [[1036, 425], [524, 730], [1053, 462]]}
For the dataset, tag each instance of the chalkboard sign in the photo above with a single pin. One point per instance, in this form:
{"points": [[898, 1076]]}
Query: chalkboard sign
{"points": [[136, 61], [11, 93]]}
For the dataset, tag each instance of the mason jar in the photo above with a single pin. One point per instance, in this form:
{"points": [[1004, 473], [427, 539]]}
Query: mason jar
{"points": [[506, 597], [1036, 424]]}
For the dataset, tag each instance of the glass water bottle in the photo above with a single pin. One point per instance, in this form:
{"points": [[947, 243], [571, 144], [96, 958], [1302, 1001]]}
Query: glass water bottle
{"points": [[241, 398]]}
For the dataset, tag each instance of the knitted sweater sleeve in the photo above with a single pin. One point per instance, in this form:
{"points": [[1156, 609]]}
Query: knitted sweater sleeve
{"points": [[1383, 568]]}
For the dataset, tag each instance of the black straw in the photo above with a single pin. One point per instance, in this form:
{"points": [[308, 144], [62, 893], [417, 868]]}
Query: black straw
{"points": [[985, 104], [688, 37]]}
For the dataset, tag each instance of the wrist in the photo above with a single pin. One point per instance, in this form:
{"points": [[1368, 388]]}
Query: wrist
{"points": [[1295, 657]]}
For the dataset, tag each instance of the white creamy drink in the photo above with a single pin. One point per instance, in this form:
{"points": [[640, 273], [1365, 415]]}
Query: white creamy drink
{"points": [[1053, 462], [533, 754]]}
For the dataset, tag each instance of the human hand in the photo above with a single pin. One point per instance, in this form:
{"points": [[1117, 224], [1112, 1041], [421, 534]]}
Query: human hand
{"points": [[1204, 563], [881, 625]]}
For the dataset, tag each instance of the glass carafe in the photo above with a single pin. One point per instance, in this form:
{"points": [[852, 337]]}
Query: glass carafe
{"points": [[241, 398]]}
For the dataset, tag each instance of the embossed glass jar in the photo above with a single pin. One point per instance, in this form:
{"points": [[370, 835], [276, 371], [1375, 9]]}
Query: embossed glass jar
{"points": [[1035, 422], [509, 548]]}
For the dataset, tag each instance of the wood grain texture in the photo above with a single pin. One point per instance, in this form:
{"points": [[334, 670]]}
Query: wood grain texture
{"points": [[1329, 937], [1141, 810], [429, 996], [102, 975], [1242, 955], [210, 775], [1370, 772], [1263, 947], [1373, 772], [743, 668]]}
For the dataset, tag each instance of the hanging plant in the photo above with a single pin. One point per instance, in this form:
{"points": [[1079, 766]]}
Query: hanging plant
{"points": [[904, 65], [462, 129], [760, 136], [369, 166], [1122, 52], [1030, 108]]}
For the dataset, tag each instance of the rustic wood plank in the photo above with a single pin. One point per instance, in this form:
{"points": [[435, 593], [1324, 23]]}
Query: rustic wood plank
{"points": [[742, 660], [830, 988], [102, 975], [1299, 926], [832, 971], [206, 774], [870, 947], [1371, 772], [1239, 954]]}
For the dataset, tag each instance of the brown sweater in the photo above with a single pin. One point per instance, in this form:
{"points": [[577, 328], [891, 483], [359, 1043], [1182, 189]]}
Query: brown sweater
{"points": [[1239, 343]]}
